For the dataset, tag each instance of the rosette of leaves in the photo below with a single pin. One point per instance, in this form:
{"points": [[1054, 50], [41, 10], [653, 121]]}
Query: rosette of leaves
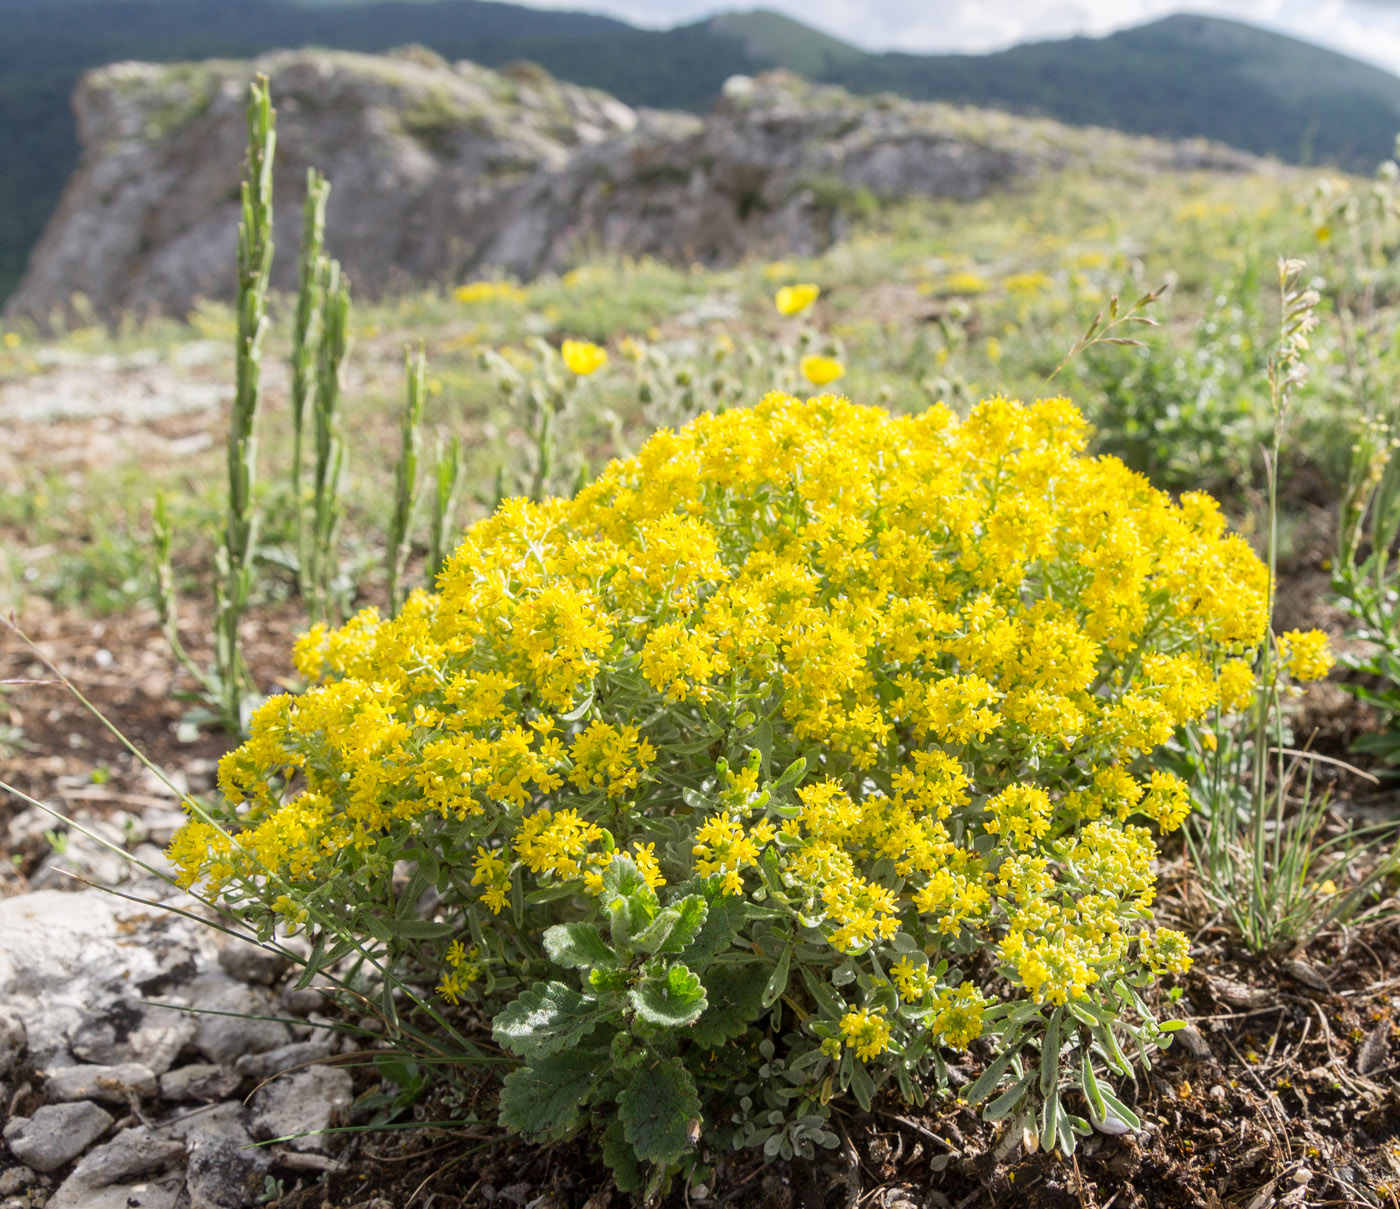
{"points": [[656, 986]]}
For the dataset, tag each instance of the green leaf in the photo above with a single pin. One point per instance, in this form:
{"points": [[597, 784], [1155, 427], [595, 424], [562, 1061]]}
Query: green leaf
{"points": [[723, 919], [622, 876], [778, 980], [659, 1111], [674, 1000], [691, 911], [1050, 1053], [621, 1158], [655, 934], [1050, 1122], [735, 998], [862, 1086], [418, 929], [763, 742], [988, 1080], [546, 1018], [578, 946], [1120, 1110], [546, 1097], [1008, 1099], [791, 775], [1090, 1083]]}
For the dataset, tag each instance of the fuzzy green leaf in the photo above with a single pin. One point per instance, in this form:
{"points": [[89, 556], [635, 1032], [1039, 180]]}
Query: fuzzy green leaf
{"points": [[723, 919], [654, 935], [621, 1158], [577, 946], [658, 1109], [546, 1097], [735, 997], [691, 913], [546, 1018], [673, 1000]]}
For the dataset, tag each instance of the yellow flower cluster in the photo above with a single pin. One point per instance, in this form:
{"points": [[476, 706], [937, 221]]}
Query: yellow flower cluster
{"points": [[489, 291], [868, 1033], [973, 632], [1305, 654]]}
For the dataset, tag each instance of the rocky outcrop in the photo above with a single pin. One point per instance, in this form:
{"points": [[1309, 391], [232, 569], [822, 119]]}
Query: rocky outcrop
{"points": [[442, 172], [142, 1055]]}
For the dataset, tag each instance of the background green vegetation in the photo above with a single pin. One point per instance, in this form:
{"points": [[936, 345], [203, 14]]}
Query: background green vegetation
{"points": [[928, 301]]}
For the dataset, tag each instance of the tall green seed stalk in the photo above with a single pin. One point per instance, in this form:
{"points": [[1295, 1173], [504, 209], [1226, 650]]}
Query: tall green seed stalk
{"points": [[405, 476], [330, 450], [306, 337], [447, 483], [234, 560]]}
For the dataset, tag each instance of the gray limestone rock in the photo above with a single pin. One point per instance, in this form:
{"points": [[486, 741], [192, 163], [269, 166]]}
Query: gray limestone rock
{"points": [[125, 1031], [12, 1037], [56, 1134], [73, 964], [111, 1083], [16, 1179], [224, 1170], [234, 1019], [202, 1082], [442, 173], [252, 963], [301, 1106], [147, 1194], [274, 1062], [132, 1152]]}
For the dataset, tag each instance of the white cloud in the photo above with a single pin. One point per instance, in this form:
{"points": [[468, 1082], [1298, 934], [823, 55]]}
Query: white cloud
{"points": [[1366, 29]]}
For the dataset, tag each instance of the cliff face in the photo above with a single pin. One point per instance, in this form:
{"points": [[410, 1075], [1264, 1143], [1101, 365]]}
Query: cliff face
{"points": [[440, 172]]}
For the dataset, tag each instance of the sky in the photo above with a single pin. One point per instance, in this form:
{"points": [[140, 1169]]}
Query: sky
{"points": [[1364, 29]]}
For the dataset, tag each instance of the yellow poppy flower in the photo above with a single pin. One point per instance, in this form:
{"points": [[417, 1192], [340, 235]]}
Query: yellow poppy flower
{"points": [[582, 357], [821, 370], [794, 299]]}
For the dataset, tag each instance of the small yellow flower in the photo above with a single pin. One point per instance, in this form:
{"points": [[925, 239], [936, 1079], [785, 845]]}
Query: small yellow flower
{"points": [[11, 340], [1328, 887], [794, 299], [1306, 655], [821, 370], [582, 357]]}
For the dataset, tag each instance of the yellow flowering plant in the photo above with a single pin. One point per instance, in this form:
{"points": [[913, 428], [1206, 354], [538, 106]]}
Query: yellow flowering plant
{"points": [[810, 740]]}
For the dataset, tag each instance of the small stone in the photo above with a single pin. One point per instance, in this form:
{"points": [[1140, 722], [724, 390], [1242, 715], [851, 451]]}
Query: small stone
{"points": [[110, 1083], [1192, 1042], [202, 1082], [56, 1133], [274, 1062], [12, 1038], [301, 1106], [224, 1170], [146, 1195], [303, 1002], [252, 963], [126, 1032], [16, 1179], [1112, 1125], [132, 1152], [248, 1029]]}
